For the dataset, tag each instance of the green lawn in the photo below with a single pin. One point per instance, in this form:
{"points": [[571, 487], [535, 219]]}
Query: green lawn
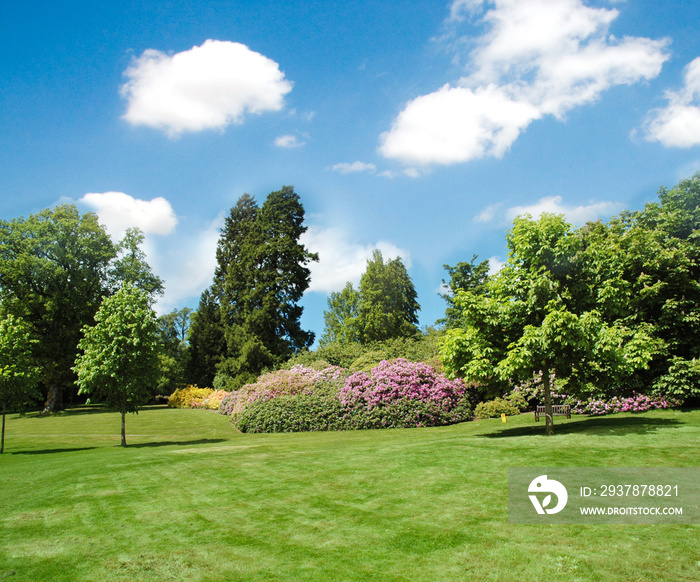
{"points": [[190, 499]]}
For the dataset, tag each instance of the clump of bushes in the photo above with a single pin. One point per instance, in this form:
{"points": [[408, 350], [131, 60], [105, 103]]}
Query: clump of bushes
{"points": [[393, 394], [494, 408], [185, 397], [635, 403]]}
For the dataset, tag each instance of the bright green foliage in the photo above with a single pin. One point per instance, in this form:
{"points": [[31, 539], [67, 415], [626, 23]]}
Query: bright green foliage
{"points": [[340, 319], [385, 307], [609, 307], [54, 275], [19, 374], [119, 363], [388, 305], [130, 267], [494, 408], [530, 319], [467, 276]]}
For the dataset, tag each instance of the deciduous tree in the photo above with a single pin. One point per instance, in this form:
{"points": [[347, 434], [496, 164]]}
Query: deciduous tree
{"points": [[19, 374], [119, 359]]}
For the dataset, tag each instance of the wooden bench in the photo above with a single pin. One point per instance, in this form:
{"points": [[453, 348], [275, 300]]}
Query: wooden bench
{"points": [[557, 410]]}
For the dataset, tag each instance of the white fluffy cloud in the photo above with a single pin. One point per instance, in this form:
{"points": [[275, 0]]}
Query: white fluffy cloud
{"points": [[456, 124], [185, 260], [575, 214], [207, 87], [119, 211], [678, 124], [288, 141], [535, 58], [341, 261], [354, 167]]}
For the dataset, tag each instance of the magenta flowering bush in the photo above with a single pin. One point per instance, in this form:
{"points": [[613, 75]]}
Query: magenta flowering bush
{"points": [[635, 403], [400, 379]]}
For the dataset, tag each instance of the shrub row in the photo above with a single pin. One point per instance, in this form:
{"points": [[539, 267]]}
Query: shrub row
{"points": [[635, 403], [394, 394]]}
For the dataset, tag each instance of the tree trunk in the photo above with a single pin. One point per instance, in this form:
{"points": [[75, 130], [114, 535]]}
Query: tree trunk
{"points": [[123, 427], [54, 400], [2, 443], [548, 415]]}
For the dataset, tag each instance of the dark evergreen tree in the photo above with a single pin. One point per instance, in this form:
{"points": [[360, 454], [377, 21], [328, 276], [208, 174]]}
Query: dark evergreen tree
{"points": [[206, 342], [263, 283]]}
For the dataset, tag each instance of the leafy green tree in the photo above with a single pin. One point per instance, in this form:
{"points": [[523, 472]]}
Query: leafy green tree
{"points": [[544, 312], [265, 277], [207, 343], [119, 359], [467, 276], [130, 266], [19, 374], [340, 319], [388, 305], [54, 274]]}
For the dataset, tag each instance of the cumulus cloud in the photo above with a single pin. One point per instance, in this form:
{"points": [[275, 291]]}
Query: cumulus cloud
{"points": [[678, 124], [488, 213], [341, 261], [288, 141], [119, 211], [207, 87], [184, 256], [354, 167], [575, 214], [535, 58]]}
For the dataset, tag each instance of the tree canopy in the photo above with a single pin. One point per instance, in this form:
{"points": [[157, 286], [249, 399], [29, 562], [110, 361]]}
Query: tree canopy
{"points": [[119, 360], [385, 306], [261, 274], [607, 307], [19, 374]]}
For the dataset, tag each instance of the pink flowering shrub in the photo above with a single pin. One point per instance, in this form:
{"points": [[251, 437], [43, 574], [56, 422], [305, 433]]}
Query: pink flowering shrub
{"points": [[401, 379], [532, 391], [635, 403], [299, 379], [393, 394]]}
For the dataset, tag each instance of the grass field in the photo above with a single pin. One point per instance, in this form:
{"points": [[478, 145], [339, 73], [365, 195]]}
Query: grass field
{"points": [[191, 499]]}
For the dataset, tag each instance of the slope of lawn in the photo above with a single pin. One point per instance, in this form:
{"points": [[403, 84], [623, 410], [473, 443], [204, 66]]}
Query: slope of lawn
{"points": [[191, 499]]}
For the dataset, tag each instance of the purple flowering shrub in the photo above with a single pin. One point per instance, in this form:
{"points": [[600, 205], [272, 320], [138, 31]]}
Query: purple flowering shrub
{"points": [[401, 379], [532, 391], [393, 394], [635, 403]]}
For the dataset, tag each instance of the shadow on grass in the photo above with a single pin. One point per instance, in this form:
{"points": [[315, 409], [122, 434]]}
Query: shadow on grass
{"points": [[604, 426], [173, 443], [51, 451]]}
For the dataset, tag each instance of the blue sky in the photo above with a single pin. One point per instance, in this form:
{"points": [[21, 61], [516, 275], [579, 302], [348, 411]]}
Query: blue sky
{"points": [[420, 128]]}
